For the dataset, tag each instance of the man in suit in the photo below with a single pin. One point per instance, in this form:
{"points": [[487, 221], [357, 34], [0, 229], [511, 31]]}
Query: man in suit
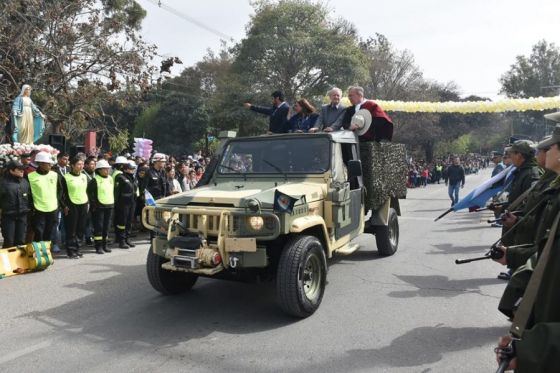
{"points": [[278, 113], [330, 117], [381, 125]]}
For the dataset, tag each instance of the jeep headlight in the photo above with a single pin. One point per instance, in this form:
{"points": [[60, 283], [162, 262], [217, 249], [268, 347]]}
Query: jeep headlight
{"points": [[255, 222]]}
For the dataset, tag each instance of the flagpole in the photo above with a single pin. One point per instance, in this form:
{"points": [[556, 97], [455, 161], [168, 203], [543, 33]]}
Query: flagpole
{"points": [[442, 215]]}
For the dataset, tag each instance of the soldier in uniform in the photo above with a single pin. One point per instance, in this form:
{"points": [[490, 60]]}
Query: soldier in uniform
{"points": [[536, 324], [126, 191]]}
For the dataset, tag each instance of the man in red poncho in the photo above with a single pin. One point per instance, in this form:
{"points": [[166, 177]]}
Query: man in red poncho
{"points": [[381, 127]]}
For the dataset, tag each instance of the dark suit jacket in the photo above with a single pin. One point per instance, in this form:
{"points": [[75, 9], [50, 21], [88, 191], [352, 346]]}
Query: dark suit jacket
{"points": [[278, 122]]}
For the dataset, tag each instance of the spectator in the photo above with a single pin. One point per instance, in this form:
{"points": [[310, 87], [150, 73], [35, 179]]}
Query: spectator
{"points": [[173, 185], [278, 113]]}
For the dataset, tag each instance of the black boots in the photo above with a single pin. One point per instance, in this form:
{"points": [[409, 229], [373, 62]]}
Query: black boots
{"points": [[123, 245], [130, 244], [105, 248]]}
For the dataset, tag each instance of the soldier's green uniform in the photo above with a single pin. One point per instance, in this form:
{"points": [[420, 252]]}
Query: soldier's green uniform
{"points": [[525, 231], [523, 178], [538, 349], [519, 259]]}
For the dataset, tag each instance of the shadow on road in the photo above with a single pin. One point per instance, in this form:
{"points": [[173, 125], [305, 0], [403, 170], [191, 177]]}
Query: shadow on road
{"points": [[451, 249], [419, 346], [441, 286], [139, 316]]}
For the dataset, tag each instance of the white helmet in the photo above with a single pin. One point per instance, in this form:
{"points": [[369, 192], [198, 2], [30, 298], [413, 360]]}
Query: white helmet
{"points": [[44, 157], [121, 160], [159, 157], [102, 164], [132, 165]]}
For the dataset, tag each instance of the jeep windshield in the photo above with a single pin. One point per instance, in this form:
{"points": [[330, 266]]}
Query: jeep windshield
{"points": [[280, 155]]}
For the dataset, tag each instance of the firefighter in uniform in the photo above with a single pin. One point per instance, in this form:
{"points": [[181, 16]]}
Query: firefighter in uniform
{"points": [[75, 206], [46, 189], [100, 191], [126, 192]]}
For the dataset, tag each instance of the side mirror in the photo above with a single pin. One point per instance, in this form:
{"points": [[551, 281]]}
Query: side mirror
{"points": [[354, 168]]}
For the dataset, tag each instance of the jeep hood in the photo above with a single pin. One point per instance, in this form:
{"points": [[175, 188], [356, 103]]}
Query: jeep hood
{"points": [[234, 194]]}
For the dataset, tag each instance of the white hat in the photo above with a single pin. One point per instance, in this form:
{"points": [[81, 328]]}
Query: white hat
{"points": [[132, 164], [102, 164], [44, 157], [553, 116], [159, 157], [362, 119], [121, 160]]}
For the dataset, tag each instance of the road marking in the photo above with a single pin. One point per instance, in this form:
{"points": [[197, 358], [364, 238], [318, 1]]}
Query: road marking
{"points": [[24, 351]]}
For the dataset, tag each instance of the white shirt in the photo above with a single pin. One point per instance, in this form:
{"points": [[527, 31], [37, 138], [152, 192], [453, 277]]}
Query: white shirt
{"points": [[360, 105]]}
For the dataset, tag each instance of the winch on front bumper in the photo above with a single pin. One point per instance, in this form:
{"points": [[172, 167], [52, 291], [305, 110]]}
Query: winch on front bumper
{"points": [[209, 240]]}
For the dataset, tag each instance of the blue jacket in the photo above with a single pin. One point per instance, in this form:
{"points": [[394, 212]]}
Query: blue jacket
{"points": [[278, 122], [299, 123]]}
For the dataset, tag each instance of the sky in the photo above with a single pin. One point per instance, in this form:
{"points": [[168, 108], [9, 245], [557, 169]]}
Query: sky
{"points": [[472, 43]]}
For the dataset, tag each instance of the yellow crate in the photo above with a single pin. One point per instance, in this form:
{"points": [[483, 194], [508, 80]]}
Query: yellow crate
{"points": [[35, 256]]}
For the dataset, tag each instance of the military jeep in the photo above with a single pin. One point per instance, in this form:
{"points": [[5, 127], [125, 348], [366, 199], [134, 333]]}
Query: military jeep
{"points": [[273, 207]]}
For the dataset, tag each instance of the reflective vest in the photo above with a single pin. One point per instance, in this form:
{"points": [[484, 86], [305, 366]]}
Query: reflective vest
{"points": [[105, 192], [116, 173], [44, 191], [77, 188]]}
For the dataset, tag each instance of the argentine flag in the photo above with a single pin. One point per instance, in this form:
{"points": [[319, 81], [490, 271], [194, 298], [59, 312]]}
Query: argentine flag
{"points": [[482, 193]]}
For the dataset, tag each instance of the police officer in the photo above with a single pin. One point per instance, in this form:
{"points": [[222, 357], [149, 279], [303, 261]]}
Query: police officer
{"points": [[100, 191], [126, 191], [75, 206], [157, 180], [15, 203], [120, 162], [46, 188], [89, 171]]}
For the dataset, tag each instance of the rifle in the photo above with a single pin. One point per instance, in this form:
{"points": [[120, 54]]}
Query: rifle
{"points": [[493, 253], [506, 355], [501, 217], [492, 206]]}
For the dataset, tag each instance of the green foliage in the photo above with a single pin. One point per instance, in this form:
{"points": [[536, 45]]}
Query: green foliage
{"points": [[294, 46], [535, 75], [145, 120], [118, 141]]}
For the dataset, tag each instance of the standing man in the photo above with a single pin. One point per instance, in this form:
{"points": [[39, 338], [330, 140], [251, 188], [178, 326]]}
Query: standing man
{"points": [[497, 159], [330, 116], [381, 127], [15, 203], [455, 179], [278, 113], [126, 191], [101, 197], [156, 179], [46, 188]]}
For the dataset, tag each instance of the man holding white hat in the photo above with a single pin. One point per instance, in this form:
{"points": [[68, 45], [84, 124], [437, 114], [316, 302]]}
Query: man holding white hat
{"points": [[46, 189]]}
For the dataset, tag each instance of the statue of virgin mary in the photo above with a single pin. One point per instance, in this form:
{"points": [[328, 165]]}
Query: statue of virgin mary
{"points": [[28, 121]]}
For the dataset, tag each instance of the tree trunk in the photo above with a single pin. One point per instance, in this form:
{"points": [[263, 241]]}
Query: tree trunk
{"points": [[429, 150]]}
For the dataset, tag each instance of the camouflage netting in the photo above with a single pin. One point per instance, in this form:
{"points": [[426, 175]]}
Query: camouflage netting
{"points": [[384, 172]]}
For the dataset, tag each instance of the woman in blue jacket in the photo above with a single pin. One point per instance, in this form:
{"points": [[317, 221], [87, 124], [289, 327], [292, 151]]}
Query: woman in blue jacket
{"points": [[304, 117]]}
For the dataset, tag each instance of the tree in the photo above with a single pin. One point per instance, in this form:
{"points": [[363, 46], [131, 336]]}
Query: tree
{"points": [[393, 74], [77, 54], [535, 75], [294, 46]]}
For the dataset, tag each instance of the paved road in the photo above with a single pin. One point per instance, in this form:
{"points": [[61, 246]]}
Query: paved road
{"points": [[413, 312]]}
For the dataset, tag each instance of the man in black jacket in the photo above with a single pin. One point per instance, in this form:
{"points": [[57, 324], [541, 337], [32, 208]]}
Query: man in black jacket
{"points": [[278, 113], [156, 182], [15, 202], [455, 179]]}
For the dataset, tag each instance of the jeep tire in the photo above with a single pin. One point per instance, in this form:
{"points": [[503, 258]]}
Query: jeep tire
{"points": [[301, 276], [167, 282], [387, 237]]}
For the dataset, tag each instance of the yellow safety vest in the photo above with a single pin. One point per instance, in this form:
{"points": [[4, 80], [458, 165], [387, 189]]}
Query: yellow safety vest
{"points": [[105, 192], [116, 173], [77, 188], [44, 191]]}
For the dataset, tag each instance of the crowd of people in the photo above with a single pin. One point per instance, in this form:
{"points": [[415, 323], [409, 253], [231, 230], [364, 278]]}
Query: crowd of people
{"points": [[420, 173], [72, 202]]}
